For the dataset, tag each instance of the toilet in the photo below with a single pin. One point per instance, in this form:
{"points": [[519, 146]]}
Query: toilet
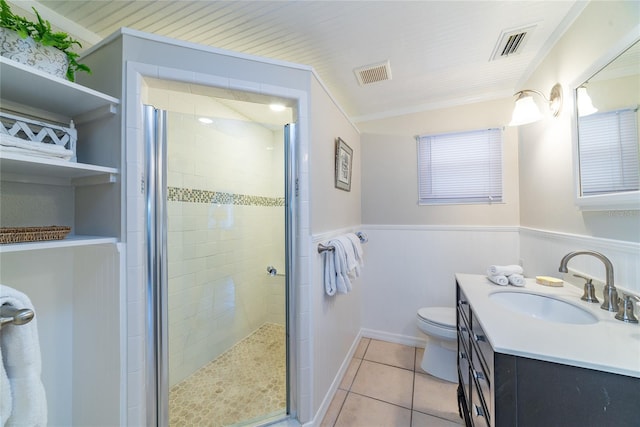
{"points": [[440, 352]]}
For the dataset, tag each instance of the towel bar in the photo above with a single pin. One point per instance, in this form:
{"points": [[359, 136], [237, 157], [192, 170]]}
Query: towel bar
{"points": [[323, 248], [14, 316]]}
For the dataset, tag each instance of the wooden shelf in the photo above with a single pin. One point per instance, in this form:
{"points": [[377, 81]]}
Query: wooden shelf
{"points": [[21, 168], [68, 242], [27, 86]]}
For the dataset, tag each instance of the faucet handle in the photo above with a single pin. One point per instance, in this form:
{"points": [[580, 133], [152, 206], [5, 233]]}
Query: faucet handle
{"points": [[589, 290], [625, 312], [588, 279]]}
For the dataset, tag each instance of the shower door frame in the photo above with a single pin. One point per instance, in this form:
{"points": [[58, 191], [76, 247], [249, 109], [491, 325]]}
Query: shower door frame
{"points": [[157, 383]]}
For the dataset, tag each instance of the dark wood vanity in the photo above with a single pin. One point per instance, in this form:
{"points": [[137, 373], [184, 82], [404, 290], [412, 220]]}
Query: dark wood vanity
{"points": [[503, 390]]}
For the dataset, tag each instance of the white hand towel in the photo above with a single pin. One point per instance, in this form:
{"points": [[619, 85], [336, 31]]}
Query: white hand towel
{"points": [[353, 266], [6, 402], [357, 247], [329, 273], [499, 280], [22, 364], [516, 280], [343, 283], [504, 270]]}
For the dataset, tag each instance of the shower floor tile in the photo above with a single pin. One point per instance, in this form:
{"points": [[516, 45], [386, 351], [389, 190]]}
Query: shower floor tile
{"points": [[246, 382]]}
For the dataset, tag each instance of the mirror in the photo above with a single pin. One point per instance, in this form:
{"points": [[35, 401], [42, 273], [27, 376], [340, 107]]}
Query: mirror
{"points": [[607, 133]]}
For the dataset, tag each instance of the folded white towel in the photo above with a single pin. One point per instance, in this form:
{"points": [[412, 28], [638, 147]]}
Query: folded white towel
{"points": [[343, 282], [499, 280], [351, 257], [504, 270], [516, 280], [13, 144], [329, 273], [357, 247], [22, 364], [6, 402]]}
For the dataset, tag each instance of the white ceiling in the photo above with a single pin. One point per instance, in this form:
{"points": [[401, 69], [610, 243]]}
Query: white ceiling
{"points": [[439, 51]]}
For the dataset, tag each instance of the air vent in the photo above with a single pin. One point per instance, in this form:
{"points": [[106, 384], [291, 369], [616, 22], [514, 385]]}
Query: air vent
{"points": [[373, 73], [511, 42]]}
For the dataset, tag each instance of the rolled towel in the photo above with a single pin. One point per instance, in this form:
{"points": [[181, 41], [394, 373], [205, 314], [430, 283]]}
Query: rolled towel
{"points": [[516, 280], [499, 280], [504, 270]]}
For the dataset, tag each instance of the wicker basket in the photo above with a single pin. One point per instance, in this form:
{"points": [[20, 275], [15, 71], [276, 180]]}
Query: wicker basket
{"points": [[32, 234]]}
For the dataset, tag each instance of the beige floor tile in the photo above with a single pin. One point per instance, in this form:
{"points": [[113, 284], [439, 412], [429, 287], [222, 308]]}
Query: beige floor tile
{"points": [[419, 354], [384, 382], [436, 397], [418, 419], [362, 348], [361, 411], [334, 409], [350, 374], [392, 354]]}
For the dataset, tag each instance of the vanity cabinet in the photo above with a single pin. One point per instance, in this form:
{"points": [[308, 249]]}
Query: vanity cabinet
{"points": [[75, 284], [504, 390]]}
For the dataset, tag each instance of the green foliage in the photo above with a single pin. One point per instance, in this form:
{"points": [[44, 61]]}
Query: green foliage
{"points": [[42, 33]]}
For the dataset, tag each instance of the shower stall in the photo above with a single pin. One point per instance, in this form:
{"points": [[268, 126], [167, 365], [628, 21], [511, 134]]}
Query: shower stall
{"points": [[219, 243]]}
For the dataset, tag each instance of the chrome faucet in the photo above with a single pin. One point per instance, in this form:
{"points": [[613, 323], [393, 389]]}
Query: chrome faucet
{"points": [[610, 293]]}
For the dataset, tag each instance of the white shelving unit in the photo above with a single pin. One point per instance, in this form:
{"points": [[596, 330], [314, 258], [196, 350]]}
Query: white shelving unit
{"points": [[69, 242], [28, 86], [31, 90], [76, 284]]}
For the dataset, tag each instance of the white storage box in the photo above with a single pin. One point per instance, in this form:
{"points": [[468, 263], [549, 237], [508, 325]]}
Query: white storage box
{"points": [[32, 137]]}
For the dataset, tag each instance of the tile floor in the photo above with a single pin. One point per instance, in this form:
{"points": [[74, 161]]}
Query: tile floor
{"points": [[247, 381], [385, 386]]}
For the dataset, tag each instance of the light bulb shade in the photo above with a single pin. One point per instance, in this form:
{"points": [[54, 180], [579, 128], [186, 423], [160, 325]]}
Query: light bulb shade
{"points": [[525, 111], [585, 106]]}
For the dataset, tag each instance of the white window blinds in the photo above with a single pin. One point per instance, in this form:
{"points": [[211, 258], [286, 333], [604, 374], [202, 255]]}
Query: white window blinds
{"points": [[463, 167], [609, 152]]}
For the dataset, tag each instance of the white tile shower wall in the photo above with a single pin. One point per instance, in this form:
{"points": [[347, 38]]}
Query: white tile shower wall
{"points": [[408, 267], [219, 289]]}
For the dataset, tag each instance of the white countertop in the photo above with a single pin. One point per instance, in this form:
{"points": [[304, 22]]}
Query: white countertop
{"points": [[608, 345]]}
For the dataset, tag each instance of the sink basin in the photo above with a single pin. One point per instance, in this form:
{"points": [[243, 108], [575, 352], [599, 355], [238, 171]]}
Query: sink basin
{"points": [[543, 307]]}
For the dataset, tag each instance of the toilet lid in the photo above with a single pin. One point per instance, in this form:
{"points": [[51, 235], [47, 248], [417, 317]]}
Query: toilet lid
{"points": [[441, 316]]}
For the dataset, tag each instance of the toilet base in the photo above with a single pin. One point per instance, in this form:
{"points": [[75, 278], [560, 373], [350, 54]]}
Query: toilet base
{"points": [[440, 362]]}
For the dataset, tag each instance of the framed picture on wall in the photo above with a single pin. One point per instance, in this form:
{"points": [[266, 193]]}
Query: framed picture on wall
{"points": [[344, 161]]}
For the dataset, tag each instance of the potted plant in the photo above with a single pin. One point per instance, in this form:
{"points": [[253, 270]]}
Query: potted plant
{"points": [[36, 44]]}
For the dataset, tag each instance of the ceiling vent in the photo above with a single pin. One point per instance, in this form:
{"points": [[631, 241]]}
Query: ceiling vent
{"points": [[512, 42], [373, 73]]}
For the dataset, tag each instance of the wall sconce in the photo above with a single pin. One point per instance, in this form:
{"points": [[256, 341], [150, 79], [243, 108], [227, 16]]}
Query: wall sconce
{"points": [[526, 110], [585, 106]]}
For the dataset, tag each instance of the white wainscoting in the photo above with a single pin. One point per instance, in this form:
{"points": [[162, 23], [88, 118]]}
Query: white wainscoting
{"points": [[336, 323], [408, 267], [542, 250]]}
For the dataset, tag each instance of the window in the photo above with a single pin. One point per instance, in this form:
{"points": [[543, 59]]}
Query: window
{"points": [[609, 152], [463, 167]]}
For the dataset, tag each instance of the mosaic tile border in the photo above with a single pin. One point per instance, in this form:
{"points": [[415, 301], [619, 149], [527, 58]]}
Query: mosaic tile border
{"points": [[176, 194]]}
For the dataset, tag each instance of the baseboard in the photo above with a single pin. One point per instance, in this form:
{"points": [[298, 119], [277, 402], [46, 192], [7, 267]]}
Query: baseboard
{"points": [[394, 338]]}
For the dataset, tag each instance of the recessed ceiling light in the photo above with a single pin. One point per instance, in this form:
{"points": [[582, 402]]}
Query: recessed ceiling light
{"points": [[205, 120], [277, 107]]}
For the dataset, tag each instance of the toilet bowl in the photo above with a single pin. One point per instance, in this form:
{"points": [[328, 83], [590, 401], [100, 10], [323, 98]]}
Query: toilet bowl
{"points": [[440, 352]]}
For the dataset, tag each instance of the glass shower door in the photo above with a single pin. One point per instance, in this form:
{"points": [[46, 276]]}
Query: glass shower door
{"points": [[219, 203]]}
